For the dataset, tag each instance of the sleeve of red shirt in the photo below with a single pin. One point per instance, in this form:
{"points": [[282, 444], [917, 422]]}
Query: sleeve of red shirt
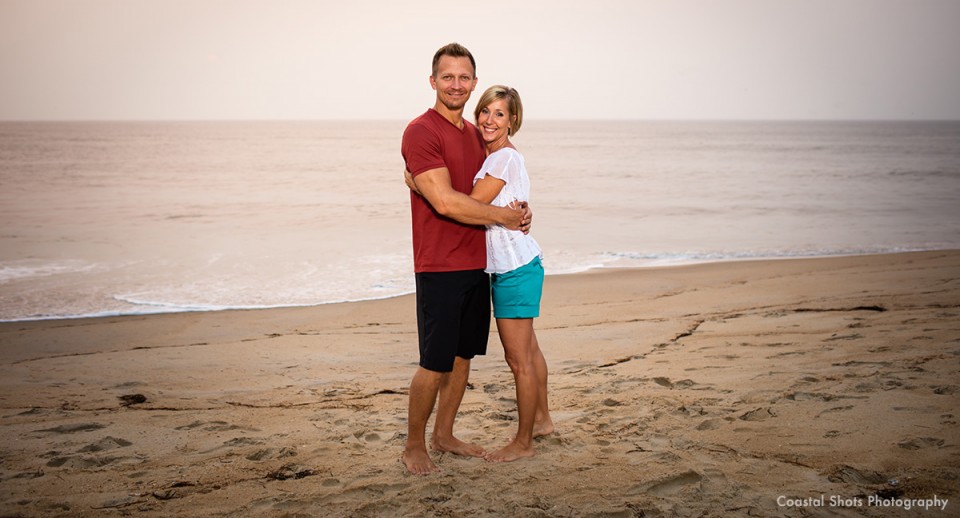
{"points": [[421, 149]]}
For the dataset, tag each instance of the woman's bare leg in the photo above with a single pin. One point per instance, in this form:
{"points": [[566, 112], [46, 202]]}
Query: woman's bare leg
{"points": [[542, 422], [516, 334]]}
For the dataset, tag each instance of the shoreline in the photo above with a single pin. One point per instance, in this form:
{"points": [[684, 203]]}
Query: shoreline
{"points": [[738, 386], [671, 263]]}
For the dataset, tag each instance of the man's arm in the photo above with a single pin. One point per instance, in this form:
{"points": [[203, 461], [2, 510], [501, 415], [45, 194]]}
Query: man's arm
{"points": [[435, 186], [486, 190]]}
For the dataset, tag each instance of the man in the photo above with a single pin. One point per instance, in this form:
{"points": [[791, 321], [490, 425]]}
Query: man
{"points": [[443, 152]]}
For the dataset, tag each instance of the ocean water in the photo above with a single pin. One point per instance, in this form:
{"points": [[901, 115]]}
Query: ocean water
{"points": [[116, 218]]}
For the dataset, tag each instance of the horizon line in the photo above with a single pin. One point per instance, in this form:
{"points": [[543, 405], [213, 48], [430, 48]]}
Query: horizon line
{"points": [[547, 119]]}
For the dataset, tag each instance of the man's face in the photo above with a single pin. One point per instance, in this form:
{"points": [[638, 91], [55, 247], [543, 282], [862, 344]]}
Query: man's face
{"points": [[454, 81]]}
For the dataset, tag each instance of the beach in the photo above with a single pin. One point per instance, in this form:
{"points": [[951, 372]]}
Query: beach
{"points": [[790, 387]]}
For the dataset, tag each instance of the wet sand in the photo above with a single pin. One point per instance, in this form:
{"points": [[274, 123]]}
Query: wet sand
{"points": [[762, 388]]}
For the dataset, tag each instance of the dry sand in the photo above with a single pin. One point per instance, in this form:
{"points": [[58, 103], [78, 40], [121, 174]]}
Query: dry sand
{"points": [[706, 390]]}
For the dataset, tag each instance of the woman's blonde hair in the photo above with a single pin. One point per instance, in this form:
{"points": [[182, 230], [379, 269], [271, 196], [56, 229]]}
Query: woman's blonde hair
{"points": [[514, 106]]}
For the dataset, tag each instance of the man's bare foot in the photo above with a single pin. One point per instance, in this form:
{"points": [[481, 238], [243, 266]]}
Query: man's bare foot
{"points": [[510, 453], [543, 428], [418, 462], [454, 445]]}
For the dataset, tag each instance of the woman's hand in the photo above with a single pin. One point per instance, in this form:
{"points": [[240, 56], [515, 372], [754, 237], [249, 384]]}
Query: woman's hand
{"points": [[411, 183], [527, 220]]}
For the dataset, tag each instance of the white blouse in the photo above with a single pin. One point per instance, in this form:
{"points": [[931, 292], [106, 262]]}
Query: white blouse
{"points": [[508, 249]]}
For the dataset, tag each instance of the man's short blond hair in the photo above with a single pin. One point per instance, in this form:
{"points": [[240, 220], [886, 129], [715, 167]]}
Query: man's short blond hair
{"points": [[455, 50]]}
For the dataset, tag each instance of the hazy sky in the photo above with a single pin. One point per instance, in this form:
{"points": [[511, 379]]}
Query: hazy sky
{"points": [[584, 59]]}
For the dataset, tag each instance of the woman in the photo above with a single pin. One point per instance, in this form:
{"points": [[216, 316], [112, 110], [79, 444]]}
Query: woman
{"points": [[513, 260]]}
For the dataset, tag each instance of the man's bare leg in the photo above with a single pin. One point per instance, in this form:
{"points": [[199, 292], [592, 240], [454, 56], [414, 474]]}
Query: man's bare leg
{"points": [[423, 394], [452, 387], [543, 423]]}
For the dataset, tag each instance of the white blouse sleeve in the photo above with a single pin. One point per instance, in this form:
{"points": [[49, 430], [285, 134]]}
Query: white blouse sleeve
{"points": [[502, 165]]}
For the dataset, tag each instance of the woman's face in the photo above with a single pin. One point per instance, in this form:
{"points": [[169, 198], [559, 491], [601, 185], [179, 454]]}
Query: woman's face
{"points": [[494, 121]]}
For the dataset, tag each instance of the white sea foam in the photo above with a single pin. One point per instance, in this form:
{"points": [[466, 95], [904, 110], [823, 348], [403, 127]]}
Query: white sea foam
{"points": [[641, 259], [22, 269]]}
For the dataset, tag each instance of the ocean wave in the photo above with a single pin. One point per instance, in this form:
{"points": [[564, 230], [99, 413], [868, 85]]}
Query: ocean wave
{"points": [[561, 263], [27, 269], [141, 307], [146, 307], [687, 257]]}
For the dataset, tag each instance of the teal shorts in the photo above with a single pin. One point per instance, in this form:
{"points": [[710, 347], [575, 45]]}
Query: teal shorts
{"points": [[516, 294]]}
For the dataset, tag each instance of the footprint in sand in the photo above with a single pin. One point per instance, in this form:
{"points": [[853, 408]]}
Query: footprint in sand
{"points": [[713, 481], [691, 410], [83, 462], [682, 384], [291, 471], [836, 336], [500, 416], [80, 461], [663, 382], [836, 409], [242, 441], [73, 428], [492, 388], [851, 475], [759, 414], [372, 436], [553, 440], [132, 399], [785, 354], [215, 426], [107, 443], [191, 426], [237, 442], [669, 485], [919, 443], [867, 387], [271, 453], [711, 424], [653, 443], [811, 396]]}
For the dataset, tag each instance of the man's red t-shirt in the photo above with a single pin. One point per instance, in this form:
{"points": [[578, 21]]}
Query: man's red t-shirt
{"points": [[440, 244]]}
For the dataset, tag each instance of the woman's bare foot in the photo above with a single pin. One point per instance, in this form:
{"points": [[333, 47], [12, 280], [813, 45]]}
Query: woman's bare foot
{"points": [[510, 453], [418, 462], [543, 428], [454, 445]]}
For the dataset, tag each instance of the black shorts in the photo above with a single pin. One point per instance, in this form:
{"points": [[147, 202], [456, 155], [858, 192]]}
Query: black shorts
{"points": [[453, 317]]}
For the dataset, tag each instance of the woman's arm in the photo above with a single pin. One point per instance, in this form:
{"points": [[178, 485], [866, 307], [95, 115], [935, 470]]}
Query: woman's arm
{"points": [[486, 189]]}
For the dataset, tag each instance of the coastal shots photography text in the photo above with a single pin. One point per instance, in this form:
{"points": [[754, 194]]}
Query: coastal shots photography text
{"points": [[934, 503]]}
